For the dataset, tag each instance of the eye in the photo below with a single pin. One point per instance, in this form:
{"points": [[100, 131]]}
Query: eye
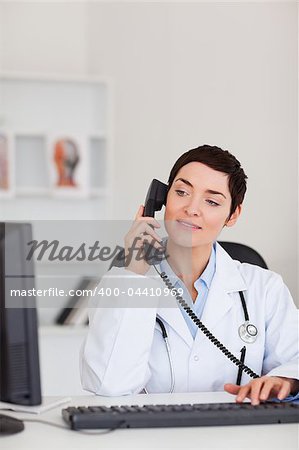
{"points": [[180, 193], [212, 203]]}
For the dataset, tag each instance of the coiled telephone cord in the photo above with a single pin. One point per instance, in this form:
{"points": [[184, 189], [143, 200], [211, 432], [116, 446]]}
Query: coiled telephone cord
{"points": [[204, 329]]}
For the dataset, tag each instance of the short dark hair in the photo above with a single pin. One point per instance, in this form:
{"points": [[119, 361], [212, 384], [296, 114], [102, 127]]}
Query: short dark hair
{"points": [[217, 159]]}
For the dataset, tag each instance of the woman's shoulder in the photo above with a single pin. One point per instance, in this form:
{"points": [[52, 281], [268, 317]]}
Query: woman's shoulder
{"points": [[250, 272], [260, 279], [253, 270]]}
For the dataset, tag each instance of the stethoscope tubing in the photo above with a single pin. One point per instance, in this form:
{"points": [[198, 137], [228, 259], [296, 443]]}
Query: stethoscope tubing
{"points": [[165, 337], [243, 350]]}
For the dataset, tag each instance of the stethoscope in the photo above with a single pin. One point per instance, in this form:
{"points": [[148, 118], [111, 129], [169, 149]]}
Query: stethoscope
{"points": [[247, 332]]}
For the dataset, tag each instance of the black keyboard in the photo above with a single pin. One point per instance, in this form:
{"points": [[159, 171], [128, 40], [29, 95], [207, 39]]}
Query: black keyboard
{"points": [[204, 414]]}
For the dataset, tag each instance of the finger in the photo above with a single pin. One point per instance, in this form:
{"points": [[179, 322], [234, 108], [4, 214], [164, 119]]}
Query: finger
{"points": [[150, 220], [266, 390], [139, 212], [271, 388], [144, 229], [140, 230], [133, 242], [152, 242], [243, 393], [285, 390], [139, 216], [149, 230], [256, 387], [232, 388]]}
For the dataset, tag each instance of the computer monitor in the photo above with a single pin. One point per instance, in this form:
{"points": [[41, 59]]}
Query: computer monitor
{"points": [[19, 358]]}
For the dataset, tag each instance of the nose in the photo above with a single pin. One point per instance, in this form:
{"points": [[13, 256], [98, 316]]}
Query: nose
{"points": [[193, 208]]}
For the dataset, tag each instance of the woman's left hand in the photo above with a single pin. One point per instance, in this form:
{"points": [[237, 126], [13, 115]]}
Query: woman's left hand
{"points": [[260, 389]]}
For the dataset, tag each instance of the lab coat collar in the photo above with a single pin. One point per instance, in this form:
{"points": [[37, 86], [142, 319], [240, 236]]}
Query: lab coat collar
{"points": [[227, 272], [227, 280]]}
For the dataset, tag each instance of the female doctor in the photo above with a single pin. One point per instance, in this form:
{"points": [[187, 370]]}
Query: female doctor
{"points": [[158, 347]]}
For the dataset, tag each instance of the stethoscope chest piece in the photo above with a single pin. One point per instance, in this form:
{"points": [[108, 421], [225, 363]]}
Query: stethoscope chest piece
{"points": [[248, 332]]}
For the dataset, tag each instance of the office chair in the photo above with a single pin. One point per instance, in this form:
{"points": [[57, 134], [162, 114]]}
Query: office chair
{"points": [[243, 253]]}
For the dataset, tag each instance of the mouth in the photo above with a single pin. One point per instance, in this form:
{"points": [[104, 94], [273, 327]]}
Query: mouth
{"points": [[189, 225]]}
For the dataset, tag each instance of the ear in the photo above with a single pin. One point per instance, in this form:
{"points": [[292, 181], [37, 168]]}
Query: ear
{"points": [[234, 217]]}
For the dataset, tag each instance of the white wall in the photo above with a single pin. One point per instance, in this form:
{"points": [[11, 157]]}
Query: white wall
{"points": [[184, 74], [221, 74], [1, 35], [44, 36], [59, 366]]}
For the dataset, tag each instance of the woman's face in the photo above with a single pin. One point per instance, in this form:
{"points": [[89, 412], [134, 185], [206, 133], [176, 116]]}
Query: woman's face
{"points": [[198, 206]]}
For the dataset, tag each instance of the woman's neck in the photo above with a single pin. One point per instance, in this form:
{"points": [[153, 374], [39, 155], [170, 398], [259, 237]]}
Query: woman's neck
{"points": [[188, 263]]}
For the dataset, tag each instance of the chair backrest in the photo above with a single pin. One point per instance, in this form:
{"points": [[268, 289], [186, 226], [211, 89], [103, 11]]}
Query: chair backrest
{"points": [[243, 253]]}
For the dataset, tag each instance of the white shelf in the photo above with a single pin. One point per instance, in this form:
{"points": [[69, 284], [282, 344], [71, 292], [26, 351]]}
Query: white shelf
{"points": [[37, 111]]}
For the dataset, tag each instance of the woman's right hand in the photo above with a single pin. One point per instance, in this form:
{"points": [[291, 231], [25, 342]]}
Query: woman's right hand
{"points": [[141, 231]]}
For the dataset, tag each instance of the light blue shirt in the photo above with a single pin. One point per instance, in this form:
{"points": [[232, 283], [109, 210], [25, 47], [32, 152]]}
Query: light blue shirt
{"points": [[202, 285]]}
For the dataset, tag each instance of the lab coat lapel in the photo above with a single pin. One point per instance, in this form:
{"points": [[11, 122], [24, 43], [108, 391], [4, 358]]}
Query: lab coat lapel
{"points": [[227, 280], [171, 314], [174, 317]]}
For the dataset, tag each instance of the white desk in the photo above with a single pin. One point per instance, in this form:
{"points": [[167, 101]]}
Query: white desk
{"points": [[44, 437]]}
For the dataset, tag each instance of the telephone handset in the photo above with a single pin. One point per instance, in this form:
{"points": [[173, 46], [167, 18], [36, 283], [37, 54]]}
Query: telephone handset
{"points": [[155, 199]]}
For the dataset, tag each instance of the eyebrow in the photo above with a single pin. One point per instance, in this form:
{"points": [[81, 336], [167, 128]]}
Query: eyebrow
{"points": [[208, 191]]}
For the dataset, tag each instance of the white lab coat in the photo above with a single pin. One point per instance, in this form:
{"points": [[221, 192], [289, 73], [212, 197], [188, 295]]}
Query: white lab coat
{"points": [[124, 350]]}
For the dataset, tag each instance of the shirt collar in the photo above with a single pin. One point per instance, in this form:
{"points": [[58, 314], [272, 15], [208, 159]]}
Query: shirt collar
{"points": [[208, 273]]}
